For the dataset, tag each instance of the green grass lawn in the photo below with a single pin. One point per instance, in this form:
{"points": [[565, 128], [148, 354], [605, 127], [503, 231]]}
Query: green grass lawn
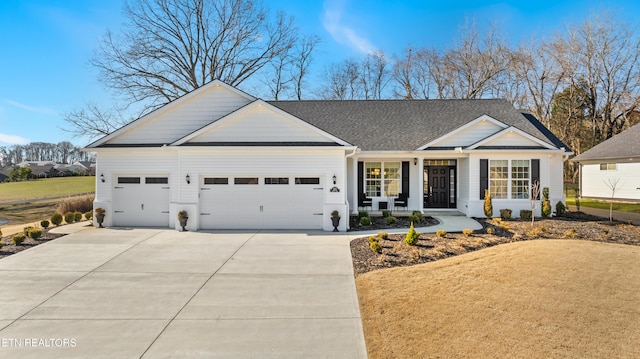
{"points": [[46, 187], [624, 207]]}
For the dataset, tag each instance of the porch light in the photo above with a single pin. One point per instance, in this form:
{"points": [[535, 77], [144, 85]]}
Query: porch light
{"points": [[415, 161], [102, 177], [188, 179], [334, 179]]}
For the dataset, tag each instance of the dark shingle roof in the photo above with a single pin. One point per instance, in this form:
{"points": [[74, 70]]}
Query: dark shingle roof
{"points": [[402, 125], [623, 145]]}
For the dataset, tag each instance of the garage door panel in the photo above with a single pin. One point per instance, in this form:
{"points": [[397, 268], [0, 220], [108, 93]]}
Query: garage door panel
{"points": [[277, 205], [141, 204]]}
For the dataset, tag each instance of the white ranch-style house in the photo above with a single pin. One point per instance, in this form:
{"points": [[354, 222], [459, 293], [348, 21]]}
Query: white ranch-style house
{"points": [[235, 161]]}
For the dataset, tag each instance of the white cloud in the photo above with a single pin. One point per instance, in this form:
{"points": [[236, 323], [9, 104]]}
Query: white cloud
{"points": [[43, 110], [341, 33], [13, 139]]}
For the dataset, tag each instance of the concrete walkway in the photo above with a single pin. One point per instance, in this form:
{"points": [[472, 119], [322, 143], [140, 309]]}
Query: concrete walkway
{"points": [[151, 293]]}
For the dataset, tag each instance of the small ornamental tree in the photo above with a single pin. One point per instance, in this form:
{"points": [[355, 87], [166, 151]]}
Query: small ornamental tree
{"points": [[488, 206], [546, 204], [412, 236]]}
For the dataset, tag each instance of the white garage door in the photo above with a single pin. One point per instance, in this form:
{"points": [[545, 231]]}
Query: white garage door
{"points": [[141, 201], [261, 203]]}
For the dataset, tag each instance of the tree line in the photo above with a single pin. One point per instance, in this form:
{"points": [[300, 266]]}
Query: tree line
{"points": [[63, 152], [583, 84]]}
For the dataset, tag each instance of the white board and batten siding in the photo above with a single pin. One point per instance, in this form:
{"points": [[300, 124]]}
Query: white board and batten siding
{"points": [[168, 125], [594, 180]]}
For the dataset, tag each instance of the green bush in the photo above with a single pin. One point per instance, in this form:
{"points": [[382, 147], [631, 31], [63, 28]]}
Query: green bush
{"points": [[365, 221], [414, 219], [391, 220], [383, 235], [412, 236], [77, 216], [560, 209], [386, 213], [18, 239], [35, 233], [363, 214], [44, 224], [505, 213], [525, 214], [441, 233], [375, 247], [418, 214], [88, 215], [56, 218], [69, 217], [488, 205], [26, 230]]}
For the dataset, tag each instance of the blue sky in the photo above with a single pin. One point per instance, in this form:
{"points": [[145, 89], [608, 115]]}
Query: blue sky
{"points": [[45, 45]]}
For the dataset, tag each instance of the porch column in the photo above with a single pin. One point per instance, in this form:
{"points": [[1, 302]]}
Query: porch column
{"points": [[421, 184]]}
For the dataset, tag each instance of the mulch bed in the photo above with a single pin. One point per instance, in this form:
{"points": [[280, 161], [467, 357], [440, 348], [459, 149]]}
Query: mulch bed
{"points": [[379, 222], [396, 253], [9, 248]]}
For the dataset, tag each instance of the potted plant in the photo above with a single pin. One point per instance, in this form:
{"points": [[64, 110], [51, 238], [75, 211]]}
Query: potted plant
{"points": [[335, 220], [100, 216], [182, 217]]}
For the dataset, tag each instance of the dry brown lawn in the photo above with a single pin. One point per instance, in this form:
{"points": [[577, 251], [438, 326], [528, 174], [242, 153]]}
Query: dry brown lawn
{"points": [[532, 299]]}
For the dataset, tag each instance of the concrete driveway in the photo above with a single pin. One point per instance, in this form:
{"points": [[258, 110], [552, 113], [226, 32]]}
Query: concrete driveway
{"points": [[150, 293]]}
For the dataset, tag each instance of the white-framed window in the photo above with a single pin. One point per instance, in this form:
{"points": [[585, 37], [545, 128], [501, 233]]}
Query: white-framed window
{"points": [[509, 179], [382, 179], [608, 166]]}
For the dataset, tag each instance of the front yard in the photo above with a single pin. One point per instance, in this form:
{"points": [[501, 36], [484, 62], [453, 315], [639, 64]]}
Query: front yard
{"points": [[566, 287]]}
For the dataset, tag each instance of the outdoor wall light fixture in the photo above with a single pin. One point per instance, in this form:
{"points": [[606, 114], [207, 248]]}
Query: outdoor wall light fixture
{"points": [[415, 161], [334, 179], [188, 179], [102, 177]]}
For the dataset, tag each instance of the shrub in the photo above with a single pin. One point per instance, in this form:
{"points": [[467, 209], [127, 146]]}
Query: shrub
{"points": [[488, 205], [26, 230], [35, 233], [88, 215], [56, 218], [375, 247], [77, 216], [571, 233], [467, 232], [414, 219], [412, 236], [363, 214], [391, 220], [69, 217], [419, 215], [560, 209], [490, 230], [76, 204], [386, 213], [525, 214], [18, 239], [365, 221], [374, 239], [383, 235], [335, 213], [441, 233], [44, 224], [505, 213]]}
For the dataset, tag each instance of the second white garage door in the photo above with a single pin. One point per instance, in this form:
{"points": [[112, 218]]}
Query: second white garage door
{"points": [[141, 201], [261, 203]]}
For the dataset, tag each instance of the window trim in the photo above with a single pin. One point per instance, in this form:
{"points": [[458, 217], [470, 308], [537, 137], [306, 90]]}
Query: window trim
{"points": [[510, 180], [382, 180], [609, 166]]}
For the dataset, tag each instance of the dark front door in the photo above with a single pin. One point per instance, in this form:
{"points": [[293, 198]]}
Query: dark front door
{"points": [[439, 187]]}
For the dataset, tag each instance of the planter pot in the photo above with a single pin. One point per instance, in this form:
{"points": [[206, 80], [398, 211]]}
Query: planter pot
{"points": [[100, 219], [183, 223], [335, 221]]}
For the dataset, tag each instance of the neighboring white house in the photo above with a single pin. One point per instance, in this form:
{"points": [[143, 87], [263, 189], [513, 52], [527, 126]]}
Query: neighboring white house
{"points": [[233, 161], [614, 161]]}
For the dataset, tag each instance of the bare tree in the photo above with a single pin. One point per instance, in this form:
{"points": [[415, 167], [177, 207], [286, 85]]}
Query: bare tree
{"points": [[92, 121], [375, 75], [171, 47], [342, 81], [534, 198], [302, 58], [612, 184]]}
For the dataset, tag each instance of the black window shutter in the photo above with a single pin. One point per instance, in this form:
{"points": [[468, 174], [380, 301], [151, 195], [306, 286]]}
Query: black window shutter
{"points": [[484, 176], [405, 178], [535, 175], [360, 179]]}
